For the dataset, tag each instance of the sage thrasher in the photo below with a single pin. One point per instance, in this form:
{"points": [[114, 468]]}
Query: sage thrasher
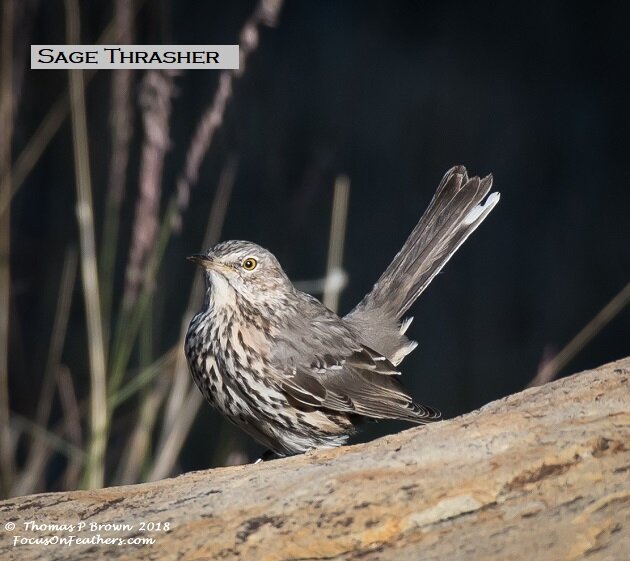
{"points": [[293, 374]]}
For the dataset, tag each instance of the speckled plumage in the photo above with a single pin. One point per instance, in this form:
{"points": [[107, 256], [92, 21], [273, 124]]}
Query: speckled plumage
{"points": [[291, 373]]}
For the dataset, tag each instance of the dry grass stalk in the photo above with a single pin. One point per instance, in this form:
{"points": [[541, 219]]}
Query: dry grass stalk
{"points": [[22, 24], [121, 117], [148, 241], [266, 13], [158, 88], [31, 473], [95, 468], [7, 467], [54, 437], [71, 425], [121, 123], [136, 451], [551, 368], [335, 275], [169, 450], [141, 379]]}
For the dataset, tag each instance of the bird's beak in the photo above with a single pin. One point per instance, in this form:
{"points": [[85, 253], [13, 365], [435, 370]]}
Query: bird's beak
{"points": [[205, 261], [200, 259]]}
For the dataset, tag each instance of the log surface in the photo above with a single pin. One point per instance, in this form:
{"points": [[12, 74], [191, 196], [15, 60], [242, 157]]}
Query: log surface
{"points": [[543, 474]]}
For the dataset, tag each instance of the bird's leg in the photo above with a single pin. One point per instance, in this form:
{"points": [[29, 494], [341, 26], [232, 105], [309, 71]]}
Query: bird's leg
{"points": [[267, 455]]}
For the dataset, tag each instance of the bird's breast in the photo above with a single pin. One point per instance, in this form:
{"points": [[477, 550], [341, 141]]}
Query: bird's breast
{"points": [[229, 361]]}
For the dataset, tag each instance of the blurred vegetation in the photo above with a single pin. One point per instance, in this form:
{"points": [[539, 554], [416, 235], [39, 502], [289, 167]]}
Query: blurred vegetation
{"points": [[123, 366]]}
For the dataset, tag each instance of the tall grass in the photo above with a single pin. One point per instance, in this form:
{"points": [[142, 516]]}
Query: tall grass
{"points": [[121, 123], [95, 467], [74, 426]]}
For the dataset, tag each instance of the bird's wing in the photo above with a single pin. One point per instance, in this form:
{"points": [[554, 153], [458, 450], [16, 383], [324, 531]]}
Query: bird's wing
{"points": [[331, 370]]}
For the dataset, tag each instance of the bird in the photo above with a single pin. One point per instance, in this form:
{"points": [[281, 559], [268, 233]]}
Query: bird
{"points": [[293, 374]]}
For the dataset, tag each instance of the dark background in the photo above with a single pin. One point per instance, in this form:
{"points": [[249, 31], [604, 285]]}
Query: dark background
{"points": [[391, 94]]}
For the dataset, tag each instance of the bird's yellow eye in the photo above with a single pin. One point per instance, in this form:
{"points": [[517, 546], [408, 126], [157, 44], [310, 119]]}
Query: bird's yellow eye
{"points": [[249, 264]]}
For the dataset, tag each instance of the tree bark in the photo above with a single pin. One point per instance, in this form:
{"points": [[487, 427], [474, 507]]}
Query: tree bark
{"points": [[543, 474]]}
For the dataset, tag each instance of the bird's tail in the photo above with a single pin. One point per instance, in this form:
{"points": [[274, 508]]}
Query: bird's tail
{"points": [[455, 211]]}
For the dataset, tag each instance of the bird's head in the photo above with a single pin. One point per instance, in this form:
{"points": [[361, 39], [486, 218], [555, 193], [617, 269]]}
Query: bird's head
{"points": [[243, 268]]}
